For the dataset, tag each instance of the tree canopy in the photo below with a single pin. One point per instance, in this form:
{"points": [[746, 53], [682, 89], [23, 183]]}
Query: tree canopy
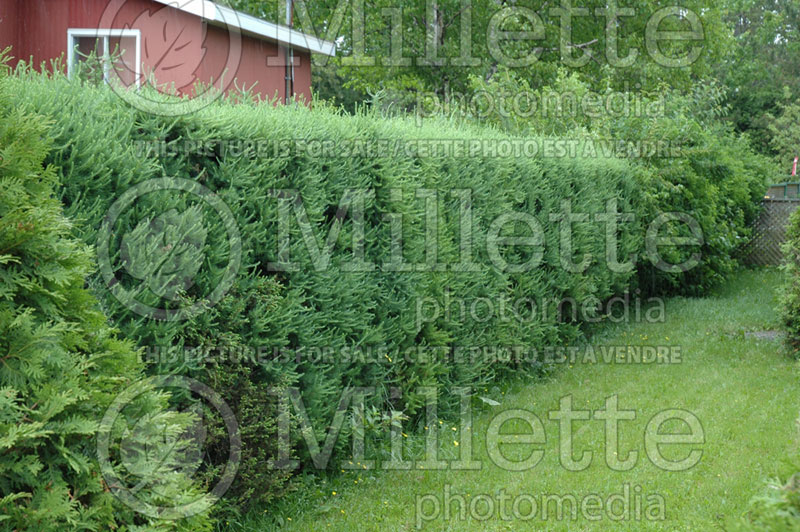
{"points": [[403, 50]]}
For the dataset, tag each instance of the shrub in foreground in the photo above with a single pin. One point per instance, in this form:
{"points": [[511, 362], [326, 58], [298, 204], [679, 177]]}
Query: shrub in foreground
{"points": [[61, 365]]}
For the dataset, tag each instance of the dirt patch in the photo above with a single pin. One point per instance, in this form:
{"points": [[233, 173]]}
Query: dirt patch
{"points": [[766, 335]]}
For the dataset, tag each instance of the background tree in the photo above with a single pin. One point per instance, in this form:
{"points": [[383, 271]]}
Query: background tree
{"points": [[765, 60], [438, 45], [785, 133]]}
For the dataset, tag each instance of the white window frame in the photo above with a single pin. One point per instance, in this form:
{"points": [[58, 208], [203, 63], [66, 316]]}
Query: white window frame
{"points": [[74, 33]]}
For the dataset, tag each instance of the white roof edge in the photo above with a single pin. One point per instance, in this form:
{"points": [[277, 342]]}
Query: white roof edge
{"points": [[225, 16]]}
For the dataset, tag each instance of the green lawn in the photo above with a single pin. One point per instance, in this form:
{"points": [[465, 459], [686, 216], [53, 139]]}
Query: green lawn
{"points": [[743, 390]]}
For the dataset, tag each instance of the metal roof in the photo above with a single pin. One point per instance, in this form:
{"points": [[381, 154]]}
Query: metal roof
{"points": [[249, 25]]}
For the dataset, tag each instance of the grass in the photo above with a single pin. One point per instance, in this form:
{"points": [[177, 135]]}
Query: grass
{"points": [[742, 390]]}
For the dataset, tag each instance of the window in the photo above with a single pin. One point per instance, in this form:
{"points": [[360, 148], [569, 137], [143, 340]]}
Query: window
{"points": [[107, 54]]}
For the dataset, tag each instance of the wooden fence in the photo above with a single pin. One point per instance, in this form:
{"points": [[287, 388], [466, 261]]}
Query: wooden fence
{"points": [[769, 231]]}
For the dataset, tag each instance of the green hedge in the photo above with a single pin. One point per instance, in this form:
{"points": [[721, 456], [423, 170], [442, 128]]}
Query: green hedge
{"points": [[97, 143], [790, 296], [716, 177], [685, 156]]}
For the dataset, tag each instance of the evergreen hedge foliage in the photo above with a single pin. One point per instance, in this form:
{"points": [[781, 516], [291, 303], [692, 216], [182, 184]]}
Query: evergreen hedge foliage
{"points": [[61, 365], [790, 295], [715, 176], [685, 156], [96, 149]]}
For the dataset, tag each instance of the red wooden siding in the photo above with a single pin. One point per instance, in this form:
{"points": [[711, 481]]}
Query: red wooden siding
{"points": [[8, 26], [37, 30]]}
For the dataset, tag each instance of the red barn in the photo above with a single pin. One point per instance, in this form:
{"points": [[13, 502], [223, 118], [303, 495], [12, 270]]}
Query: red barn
{"points": [[171, 45]]}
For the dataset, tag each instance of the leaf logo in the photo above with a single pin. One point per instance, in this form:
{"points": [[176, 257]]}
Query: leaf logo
{"points": [[166, 253], [171, 55], [157, 259], [175, 50], [151, 449], [142, 455]]}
